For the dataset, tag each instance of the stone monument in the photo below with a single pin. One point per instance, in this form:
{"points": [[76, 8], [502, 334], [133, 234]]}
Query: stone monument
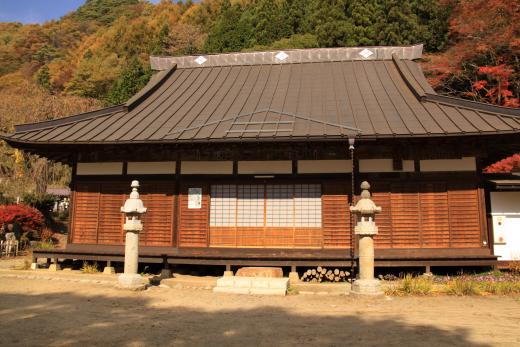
{"points": [[366, 228], [133, 210]]}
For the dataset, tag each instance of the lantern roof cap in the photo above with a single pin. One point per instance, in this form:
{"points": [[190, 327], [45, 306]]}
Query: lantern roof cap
{"points": [[134, 204], [365, 205]]}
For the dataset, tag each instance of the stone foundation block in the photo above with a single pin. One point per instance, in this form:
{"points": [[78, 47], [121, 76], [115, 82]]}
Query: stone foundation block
{"points": [[231, 290], [269, 272], [242, 282], [166, 273], [260, 282], [267, 291], [109, 270], [54, 267], [367, 287], [294, 277], [225, 282], [131, 281], [279, 283], [252, 285], [34, 266]]}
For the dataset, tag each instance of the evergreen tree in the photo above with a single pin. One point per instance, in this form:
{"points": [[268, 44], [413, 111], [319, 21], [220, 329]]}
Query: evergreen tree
{"points": [[163, 40], [435, 19], [43, 77], [132, 80], [230, 33], [329, 21], [364, 17], [267, 21], [399, 25]]}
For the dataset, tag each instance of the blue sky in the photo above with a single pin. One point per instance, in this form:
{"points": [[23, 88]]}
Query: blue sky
{"points": [[37, 11]]}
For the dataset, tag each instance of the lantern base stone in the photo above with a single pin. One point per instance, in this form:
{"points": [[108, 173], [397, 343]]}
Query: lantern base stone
{"points": [[367, 287], [131, 281]]}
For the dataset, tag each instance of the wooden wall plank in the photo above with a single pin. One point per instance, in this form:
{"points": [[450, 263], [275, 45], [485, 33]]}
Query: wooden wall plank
{"points": [[193, 223], [335, 215], [464, 211], [86, 208]]}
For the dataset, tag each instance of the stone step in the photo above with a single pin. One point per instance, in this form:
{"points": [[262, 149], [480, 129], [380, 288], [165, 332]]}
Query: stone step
{"points": [[252, 285]]}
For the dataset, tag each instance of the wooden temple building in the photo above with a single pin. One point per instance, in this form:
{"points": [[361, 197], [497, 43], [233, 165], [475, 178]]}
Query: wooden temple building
{"points": [[253, 159]]}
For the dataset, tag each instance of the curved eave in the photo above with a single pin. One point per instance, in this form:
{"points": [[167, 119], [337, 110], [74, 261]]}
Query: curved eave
{"points": [[21, 143]]}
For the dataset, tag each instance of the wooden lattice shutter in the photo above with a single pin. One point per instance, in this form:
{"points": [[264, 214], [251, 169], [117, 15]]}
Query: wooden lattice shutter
{"points": [[193, 223], [405, 216], [85, 213], [335, 216], [158, 197], [381, 197], [465, 219], [435, 222], [110, 229]]}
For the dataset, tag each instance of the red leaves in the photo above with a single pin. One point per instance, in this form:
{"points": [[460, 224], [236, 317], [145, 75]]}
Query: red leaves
{"points": [[480, 84], [498, 76], [28, 217], [500, 72], [504, 166]]}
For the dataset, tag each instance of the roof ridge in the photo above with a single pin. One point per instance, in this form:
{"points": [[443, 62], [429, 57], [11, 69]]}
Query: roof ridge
{"points": [[289, 56]]}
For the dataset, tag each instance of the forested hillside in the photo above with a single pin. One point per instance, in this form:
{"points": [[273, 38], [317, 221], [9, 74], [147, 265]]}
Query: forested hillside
{"points": [[98, 55]]}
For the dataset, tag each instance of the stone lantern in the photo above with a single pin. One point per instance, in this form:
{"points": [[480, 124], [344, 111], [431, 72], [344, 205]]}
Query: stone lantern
{"points": [[133, 210], [366, 228]]}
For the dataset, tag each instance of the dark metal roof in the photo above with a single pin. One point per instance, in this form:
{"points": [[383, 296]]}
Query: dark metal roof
{"points": [[305, 100]]}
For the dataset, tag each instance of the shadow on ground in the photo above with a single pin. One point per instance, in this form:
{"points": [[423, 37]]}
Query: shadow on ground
{"points": [[67, 319]]}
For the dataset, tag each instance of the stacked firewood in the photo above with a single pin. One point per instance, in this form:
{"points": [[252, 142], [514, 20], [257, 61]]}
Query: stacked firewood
{"points": [[322, 274]]}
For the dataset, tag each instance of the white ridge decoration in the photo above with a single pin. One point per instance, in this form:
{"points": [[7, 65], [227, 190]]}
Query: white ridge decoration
{"points": [[281, 56], [366, 53], [201, 60]]}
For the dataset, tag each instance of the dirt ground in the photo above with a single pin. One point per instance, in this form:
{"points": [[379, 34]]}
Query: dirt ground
{"points": [[53, 313]]}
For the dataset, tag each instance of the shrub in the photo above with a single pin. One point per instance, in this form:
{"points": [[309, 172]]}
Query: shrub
{"points": [[29, 218], [89, 268], [463, 286], [416, 285], [45, 245], [411, 286]]}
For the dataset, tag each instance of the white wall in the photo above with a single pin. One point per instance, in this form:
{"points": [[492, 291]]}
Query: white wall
{"points": [[324, 166], [110, 168], [147, 168], [207, 167], [447, 165], [384, 165], [265, 167], [505, 211]]}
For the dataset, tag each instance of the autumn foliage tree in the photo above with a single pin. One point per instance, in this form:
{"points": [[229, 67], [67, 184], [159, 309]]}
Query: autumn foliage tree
{"points": [[495, 87], [29, 218], [506, 165]]}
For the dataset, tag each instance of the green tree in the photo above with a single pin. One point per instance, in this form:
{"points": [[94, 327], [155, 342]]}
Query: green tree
{"points": [[132, 80], [163, 40], [102, 11], [43, 77], [267, 21], [330, 22], [230, 33], [435, 18]]}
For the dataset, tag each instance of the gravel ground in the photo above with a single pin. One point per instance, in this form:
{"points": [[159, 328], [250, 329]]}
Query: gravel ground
{"points": [[39, 312]]}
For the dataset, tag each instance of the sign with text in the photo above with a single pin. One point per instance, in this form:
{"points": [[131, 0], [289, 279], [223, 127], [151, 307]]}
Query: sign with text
{"points": [[194, 197]]}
